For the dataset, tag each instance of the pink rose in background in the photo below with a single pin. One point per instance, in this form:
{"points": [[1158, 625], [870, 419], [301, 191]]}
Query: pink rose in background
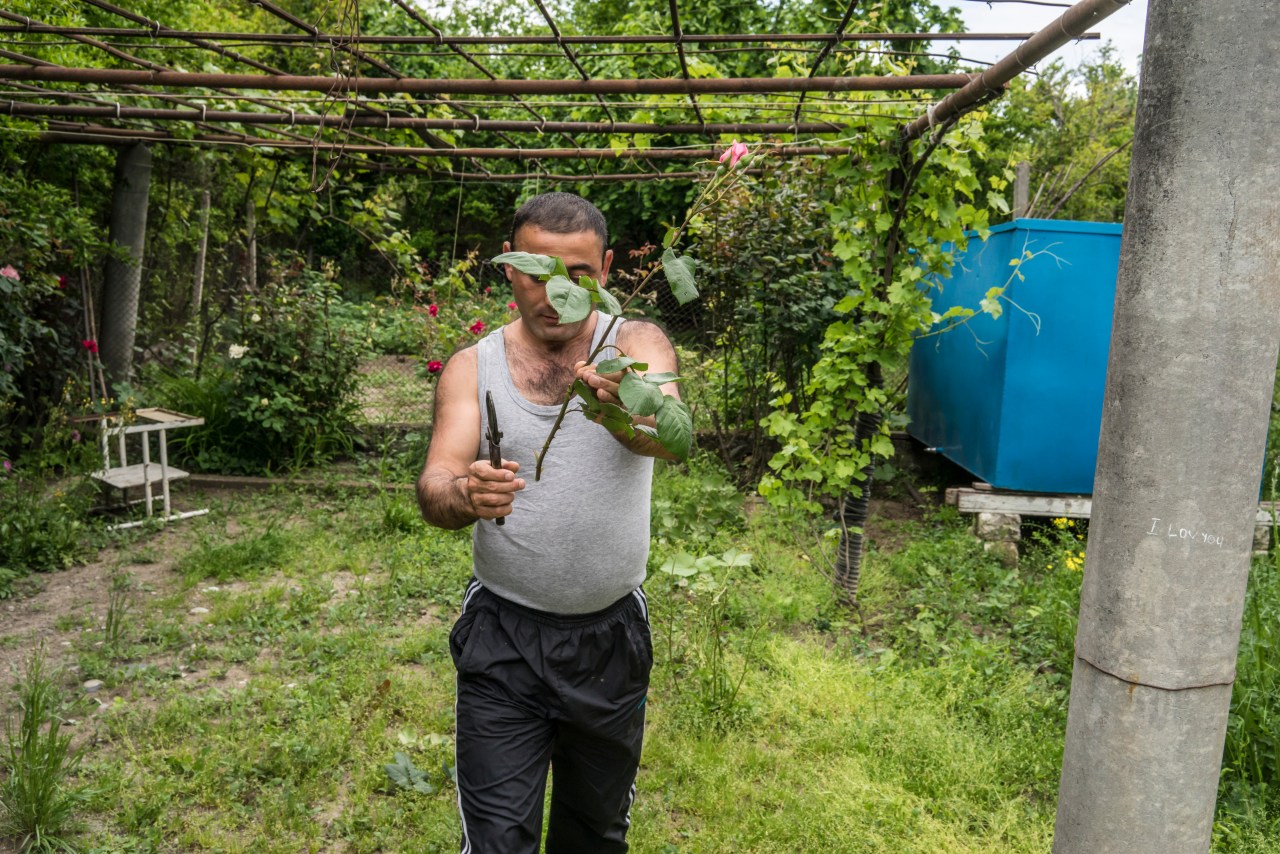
{"points": [[433, 309], [90, 345], [434, 367], [62, 281], [8, 466], [511, 306], [734, 153], [476, 328], [487, 291], [9, 273]]}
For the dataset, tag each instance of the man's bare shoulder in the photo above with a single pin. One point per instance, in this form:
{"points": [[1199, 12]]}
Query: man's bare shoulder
{"points": [[462, 358], [635, 332], [458, 376]]}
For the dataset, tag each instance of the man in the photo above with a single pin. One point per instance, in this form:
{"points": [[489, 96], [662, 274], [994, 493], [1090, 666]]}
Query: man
{"points": [[552, 647]]}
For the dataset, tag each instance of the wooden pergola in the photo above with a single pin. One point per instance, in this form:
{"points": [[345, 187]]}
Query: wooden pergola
{"points": [[370, 114]]}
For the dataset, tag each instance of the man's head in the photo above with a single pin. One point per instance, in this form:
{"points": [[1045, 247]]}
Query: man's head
{"points": [[560, 213], [570, 228]]}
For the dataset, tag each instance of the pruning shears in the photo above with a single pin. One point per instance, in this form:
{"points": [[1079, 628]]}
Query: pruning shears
{"points": [[494, 437]]}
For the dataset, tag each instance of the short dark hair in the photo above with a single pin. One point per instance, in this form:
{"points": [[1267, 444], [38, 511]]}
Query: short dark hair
{"points": [[560, 213]]}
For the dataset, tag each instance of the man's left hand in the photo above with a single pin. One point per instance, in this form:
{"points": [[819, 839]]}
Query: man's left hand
{"points": [[604, 385]]}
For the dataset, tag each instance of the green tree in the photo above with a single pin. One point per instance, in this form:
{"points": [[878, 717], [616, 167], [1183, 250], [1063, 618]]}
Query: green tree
{"points": [[1074, 126]]}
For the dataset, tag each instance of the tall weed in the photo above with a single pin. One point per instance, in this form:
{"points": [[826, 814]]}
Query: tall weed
{"points": [[1252, 752], [37, 803]]}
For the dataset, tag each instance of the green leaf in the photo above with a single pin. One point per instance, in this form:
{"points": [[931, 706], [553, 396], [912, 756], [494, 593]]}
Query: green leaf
{"points": [[640, 397], [608, 302], [675, 427], [527, 262], [571, 302], [682, 565], [679, 270], [559, 269], [669, 238], [406, 775], [660, 378], [612, 366], [991, 304]]}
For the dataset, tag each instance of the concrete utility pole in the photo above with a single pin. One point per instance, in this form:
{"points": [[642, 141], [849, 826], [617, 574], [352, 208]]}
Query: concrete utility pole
{"points": [[1193, 356], [123, 281]]}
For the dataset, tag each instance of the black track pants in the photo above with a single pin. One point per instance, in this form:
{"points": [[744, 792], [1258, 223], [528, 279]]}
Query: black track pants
{"points": [[537, 689]]}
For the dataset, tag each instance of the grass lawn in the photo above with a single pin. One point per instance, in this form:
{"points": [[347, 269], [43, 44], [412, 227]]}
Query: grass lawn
{"points": [[262, 666]]}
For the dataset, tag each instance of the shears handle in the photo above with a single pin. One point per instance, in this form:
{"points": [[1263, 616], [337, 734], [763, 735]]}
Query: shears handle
{"points": [[494, 436]]}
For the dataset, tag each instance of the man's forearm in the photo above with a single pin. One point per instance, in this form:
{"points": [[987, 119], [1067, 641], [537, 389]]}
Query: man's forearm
{"points": [[443, 499], [643, 443]]}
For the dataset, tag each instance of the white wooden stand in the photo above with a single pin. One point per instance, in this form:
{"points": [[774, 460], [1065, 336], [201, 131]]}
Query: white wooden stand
{"points": [[125, 476]]}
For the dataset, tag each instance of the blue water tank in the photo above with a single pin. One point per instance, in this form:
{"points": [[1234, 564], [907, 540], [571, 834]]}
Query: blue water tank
{"points": [[1017, 400]]}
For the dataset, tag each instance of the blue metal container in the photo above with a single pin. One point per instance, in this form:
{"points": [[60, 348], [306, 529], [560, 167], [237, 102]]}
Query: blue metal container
{"points": [[1017, 400]]}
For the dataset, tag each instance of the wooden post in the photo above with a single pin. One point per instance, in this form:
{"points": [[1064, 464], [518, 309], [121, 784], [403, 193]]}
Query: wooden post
{"points": [[1021, 189], [197, 287]]}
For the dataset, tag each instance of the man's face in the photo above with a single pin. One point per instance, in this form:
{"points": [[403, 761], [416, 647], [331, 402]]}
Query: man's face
{"points": [[582, 252]]}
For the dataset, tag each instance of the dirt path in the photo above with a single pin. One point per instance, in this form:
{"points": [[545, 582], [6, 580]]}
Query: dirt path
{"points": [[80, 595]]}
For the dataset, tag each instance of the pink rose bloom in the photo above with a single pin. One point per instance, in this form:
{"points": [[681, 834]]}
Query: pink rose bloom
{"points": [[434, 367], [90, 345], [8, 466], [8, 272], [476, 328], [433, 309], [734, 153], [62, 281], [487, 290], [511, 306]]}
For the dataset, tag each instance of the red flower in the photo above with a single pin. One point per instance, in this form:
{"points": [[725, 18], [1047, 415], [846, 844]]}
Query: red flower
{"points": [[434, 367], [476, 328], [487, 290], [511, 306], [90, 345], [433, 309], [62, 281]]}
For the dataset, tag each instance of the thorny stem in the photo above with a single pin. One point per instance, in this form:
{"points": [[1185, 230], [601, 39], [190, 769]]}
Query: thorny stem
{"points": [[699, 205]]}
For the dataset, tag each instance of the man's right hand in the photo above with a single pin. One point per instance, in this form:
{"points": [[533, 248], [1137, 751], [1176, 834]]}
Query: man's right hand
{"points": [[490, 491]]}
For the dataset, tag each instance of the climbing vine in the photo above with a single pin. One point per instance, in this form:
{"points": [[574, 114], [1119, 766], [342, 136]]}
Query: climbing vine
{"points": [[899, 215]]}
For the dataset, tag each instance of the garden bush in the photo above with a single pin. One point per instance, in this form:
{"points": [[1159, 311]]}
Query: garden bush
{"points": [[769, 283], [45, 496], [285, 397]]}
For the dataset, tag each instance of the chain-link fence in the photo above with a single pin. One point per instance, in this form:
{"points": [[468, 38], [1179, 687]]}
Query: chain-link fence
{"points": [[395, 391]]}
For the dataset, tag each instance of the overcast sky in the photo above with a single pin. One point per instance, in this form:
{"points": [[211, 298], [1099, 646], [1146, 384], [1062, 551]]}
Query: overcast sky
{"points": [[1124, 29]]}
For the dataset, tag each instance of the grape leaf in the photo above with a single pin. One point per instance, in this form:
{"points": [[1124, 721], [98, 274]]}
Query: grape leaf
{"points": [[571, 302], [675, 427], [527, 262], [679, 270], [681, 564], [640, 397]]}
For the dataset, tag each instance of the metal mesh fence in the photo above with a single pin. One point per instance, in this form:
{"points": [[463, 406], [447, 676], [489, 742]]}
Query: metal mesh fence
{"points": [[395, 391]]}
